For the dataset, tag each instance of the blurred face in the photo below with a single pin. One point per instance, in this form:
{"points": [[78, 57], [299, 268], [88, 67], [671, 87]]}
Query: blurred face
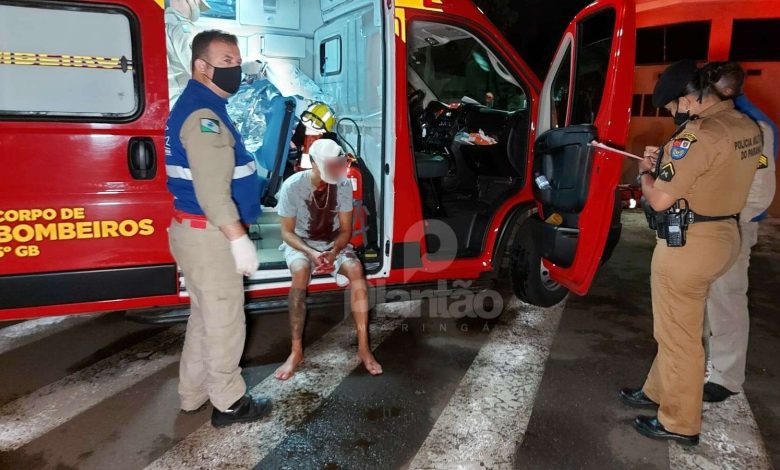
{"points": [[330, 170], [336, 166]]}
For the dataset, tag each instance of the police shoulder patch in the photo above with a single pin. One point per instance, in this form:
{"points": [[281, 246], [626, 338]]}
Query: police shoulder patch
{"points": [[763, 162], [209, 126], [682, 144], [667, 172]]}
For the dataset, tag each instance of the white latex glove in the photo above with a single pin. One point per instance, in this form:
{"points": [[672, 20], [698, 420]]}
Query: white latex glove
{"points": [[245, 255]]}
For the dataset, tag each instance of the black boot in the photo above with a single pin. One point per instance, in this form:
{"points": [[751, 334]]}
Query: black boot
{"points": [[649, 426], [636, 398], [715, 393], [246, 409]]}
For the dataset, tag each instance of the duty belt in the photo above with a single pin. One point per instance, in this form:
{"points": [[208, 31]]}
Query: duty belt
{"points": [[696, 218]]}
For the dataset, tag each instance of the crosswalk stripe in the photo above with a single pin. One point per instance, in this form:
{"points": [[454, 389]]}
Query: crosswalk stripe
{"points": [[33, 415], [328, 361], [729, 439], [20, 334], [488, 414]]}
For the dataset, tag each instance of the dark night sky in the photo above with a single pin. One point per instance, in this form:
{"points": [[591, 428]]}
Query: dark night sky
{"points": [[534, 27]]}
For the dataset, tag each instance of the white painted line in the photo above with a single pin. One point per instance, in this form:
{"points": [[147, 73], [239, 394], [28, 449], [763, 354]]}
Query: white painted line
{"points": [[33, 415], [328, 361], [729, 439], [488, 414], [20, 334]]}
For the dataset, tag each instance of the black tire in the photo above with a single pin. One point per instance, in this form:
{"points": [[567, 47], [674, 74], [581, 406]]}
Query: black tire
{"points": [[528, 281]]}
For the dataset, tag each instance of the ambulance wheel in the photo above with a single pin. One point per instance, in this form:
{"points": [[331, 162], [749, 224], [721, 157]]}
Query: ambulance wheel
{"points": [[531, 281]]}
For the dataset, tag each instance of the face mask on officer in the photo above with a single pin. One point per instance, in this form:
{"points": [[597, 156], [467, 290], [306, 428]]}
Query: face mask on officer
{"points": [[227, 79], [680, 117]]}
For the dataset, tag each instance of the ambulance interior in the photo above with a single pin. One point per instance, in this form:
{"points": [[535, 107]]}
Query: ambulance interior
{"points": [[469, 123], [298, 53]]}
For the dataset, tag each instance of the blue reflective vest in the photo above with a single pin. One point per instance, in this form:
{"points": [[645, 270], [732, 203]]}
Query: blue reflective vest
{"points": [[245, 188]]}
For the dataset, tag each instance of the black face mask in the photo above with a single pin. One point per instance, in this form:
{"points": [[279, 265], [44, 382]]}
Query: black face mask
{"points": [[228, 79], [680, 118]]}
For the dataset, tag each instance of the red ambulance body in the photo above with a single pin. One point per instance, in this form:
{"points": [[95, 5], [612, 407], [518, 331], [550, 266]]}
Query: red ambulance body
{"points": [[83, 104]]}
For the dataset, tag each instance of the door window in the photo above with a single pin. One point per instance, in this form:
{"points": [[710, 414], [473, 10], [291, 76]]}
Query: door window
{"points": [[330, 56], [559, 98], [74, 61], [594, 46]]}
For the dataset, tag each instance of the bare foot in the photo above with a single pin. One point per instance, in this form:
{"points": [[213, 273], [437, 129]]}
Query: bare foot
{"points": [[286, 370], [373, 367]]}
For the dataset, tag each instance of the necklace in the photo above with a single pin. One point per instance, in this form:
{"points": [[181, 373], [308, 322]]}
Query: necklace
{"points": [[327, 197]]}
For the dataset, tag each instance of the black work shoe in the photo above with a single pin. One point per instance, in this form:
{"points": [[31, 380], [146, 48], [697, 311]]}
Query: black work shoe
{"points": [[636, 398], [649, 426], [715, 393], [245, 410]]}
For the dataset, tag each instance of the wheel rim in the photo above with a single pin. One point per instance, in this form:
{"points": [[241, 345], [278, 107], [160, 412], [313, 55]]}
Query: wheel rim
{"points": [[547, 281]]}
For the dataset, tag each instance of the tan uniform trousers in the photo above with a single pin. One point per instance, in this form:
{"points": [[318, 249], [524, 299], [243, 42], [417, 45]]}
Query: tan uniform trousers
{"points": [[216, 329], [680, 280], [728, 322]]}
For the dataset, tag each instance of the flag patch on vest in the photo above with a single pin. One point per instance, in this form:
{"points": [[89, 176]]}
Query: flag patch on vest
{"points": [[763, 162], [667, 172], [209, 126], [681, 145]]}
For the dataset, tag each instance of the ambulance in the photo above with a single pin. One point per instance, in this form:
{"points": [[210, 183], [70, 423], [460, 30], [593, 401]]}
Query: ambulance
{"points": [[747, 31], [478, 169]]}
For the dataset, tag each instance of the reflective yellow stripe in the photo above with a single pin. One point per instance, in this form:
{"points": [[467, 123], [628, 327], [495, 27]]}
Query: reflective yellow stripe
{"points": [[65, 60]]}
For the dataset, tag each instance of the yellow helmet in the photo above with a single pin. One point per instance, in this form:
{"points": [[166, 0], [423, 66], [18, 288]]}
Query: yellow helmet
{"points": [[319, 116]]}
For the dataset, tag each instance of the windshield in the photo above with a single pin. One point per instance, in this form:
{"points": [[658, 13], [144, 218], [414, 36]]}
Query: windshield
{"points": [[453, 65]]}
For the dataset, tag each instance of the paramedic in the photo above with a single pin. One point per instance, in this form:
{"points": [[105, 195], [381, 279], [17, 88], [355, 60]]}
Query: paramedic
{"points": [[179, 18]]}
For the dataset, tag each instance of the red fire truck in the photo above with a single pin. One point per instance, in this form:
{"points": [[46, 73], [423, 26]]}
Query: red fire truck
{"points": [[479, 168]]}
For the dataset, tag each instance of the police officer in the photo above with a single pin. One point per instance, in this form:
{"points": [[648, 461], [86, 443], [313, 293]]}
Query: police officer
{"points": [[728, 321], [216, 190], [698, 186]]}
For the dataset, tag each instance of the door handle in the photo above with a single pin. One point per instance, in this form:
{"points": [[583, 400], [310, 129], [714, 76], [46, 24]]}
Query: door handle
{"points": [[142, 158]]}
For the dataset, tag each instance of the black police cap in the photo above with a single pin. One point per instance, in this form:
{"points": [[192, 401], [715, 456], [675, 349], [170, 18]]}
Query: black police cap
{"points": [[672, 82]]}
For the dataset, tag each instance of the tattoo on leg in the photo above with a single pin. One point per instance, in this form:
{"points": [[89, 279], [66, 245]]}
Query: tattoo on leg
{"points": [[297, 303]]}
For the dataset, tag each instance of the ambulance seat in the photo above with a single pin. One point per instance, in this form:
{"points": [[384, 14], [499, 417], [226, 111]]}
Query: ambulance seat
{"points": [[430, 165], [275, 150]]}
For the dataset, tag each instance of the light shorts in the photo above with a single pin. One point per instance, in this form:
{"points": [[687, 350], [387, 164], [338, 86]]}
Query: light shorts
{"points": [[291, 255]]}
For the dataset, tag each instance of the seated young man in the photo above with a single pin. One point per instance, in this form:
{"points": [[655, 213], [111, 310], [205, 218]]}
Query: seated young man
{"points": [[315, 207]]}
